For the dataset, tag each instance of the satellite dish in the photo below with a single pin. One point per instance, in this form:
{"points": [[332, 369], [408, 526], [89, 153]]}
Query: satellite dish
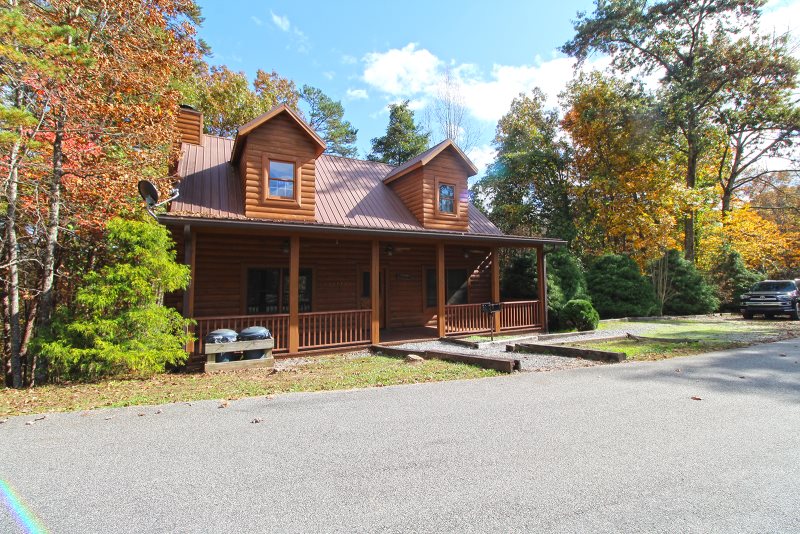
{"points": [[149, 193]]}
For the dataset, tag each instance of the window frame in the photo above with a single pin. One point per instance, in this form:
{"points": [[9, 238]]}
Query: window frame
{"points": [[438, 183], [283, 288], [294, 200]]}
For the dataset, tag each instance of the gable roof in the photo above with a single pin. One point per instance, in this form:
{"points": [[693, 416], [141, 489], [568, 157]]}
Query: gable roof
{"points": [[243, 131], [349, 192], [426, 157]]}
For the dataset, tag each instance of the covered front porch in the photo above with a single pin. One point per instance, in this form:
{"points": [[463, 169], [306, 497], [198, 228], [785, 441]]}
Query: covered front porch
{"points": [[317, 293]]}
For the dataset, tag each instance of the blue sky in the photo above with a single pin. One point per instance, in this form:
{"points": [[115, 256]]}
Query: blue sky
{"points": [[369, 54]]}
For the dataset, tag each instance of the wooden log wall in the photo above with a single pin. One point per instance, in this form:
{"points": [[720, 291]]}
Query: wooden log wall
{"points": [[281, 139], [337, 268]]}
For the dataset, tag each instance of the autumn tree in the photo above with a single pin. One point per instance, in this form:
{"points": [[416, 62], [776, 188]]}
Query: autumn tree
{"points": [[228, 100], [528, 185], [326, 117], [628, 200], [98, 80], [699, 49], [404, 139]]}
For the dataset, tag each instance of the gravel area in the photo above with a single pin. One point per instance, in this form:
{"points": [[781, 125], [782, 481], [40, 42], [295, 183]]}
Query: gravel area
{"points": [[535, 362]]}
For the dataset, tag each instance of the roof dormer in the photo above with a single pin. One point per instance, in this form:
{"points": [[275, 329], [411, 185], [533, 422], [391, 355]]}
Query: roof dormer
{"points": [[276, 154], [433, 186]]}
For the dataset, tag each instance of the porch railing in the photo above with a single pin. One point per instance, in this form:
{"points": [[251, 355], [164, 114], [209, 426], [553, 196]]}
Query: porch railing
{"points": [[336, 328], [464, 319], [468, 318], [277, 324], [520, 314]]}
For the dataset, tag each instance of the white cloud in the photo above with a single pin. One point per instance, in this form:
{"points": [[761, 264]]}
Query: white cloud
{"points": [[357, 94], [347, 59], [415, 73], [482, 156], [781, 16], [329, 74], [402, 71], [256, 20], [281, 22]]}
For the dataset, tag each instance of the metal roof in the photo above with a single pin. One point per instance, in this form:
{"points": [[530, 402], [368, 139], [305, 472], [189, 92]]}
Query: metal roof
{"points": [[350, 194]]}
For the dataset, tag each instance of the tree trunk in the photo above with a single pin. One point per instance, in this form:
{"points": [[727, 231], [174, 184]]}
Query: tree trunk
{"points": [[47, 295], [691, 180], [726, 201], [12, 256]]}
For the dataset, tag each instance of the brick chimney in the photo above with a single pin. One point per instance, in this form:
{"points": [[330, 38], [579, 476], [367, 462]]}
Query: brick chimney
{"points": [[190, 125]]}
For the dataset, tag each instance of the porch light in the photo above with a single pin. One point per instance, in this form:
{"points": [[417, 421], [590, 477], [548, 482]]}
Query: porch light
{"points": [[466, 253], [285, 247], [389, 250]]}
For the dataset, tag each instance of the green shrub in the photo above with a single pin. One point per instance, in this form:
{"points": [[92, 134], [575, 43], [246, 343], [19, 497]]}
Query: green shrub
{"points": [[680, 288], [119, 324], [618, 289], [732, 278], [568, 274], [580, 314]]}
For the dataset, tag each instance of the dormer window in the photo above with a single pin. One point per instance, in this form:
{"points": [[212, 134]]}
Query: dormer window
{"points": [[447, 198], [281, 177]]}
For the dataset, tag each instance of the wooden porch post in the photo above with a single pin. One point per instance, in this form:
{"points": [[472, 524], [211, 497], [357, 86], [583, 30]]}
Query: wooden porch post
{"points": [[541, 274], [374, 291], [189, 247], [294, 294], [496, 286], [440, 293]]}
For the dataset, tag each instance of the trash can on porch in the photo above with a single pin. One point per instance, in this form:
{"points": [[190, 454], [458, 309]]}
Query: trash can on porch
{"points": [[254, 333], [223, 335]]}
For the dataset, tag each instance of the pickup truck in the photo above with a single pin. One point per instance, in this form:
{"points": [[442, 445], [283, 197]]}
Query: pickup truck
{"points": [[771, 298]]}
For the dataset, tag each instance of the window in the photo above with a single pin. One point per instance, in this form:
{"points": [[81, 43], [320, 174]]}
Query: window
{"points": [[281, 179], [447, 198], [268, 291], [366, 285], [430, 288], [456, 284]]}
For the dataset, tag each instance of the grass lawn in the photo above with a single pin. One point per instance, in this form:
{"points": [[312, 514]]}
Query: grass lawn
{"points": [[657, 350], [713, 333], [320, 374]]}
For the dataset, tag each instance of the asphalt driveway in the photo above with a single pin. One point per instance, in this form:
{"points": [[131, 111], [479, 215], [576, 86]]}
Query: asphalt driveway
{"points": [[610, 448]]}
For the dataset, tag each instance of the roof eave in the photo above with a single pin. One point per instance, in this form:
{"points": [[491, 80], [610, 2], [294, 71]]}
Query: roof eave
{"points": [[311, 228]]}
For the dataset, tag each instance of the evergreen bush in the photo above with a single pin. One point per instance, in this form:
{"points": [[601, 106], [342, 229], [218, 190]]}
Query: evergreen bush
{"points": [[119, 324], [618, 289], [731, 278], [580, 313], [680, 288]]}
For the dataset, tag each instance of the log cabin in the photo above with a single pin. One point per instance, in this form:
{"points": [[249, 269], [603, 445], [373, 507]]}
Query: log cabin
{"points": [[331, 252]]}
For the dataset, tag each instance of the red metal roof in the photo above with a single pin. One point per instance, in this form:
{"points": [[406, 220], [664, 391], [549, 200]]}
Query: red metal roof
{"points": [[349, 192]]}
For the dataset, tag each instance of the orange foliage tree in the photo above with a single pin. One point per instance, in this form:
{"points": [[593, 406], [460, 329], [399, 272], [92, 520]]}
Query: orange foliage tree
{"points": [[94, 84], [628, 191]]}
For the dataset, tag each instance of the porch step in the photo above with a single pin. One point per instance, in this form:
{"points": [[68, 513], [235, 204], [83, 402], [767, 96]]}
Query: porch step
{"points": [[504, 365]]}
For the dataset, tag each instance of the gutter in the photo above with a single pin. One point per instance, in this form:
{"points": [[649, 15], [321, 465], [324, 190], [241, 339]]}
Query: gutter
{"points": [[312, 228]]}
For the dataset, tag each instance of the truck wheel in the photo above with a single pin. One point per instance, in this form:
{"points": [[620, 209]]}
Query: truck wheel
{"points": [[769, 316], [747, 315], [795, 315]]}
